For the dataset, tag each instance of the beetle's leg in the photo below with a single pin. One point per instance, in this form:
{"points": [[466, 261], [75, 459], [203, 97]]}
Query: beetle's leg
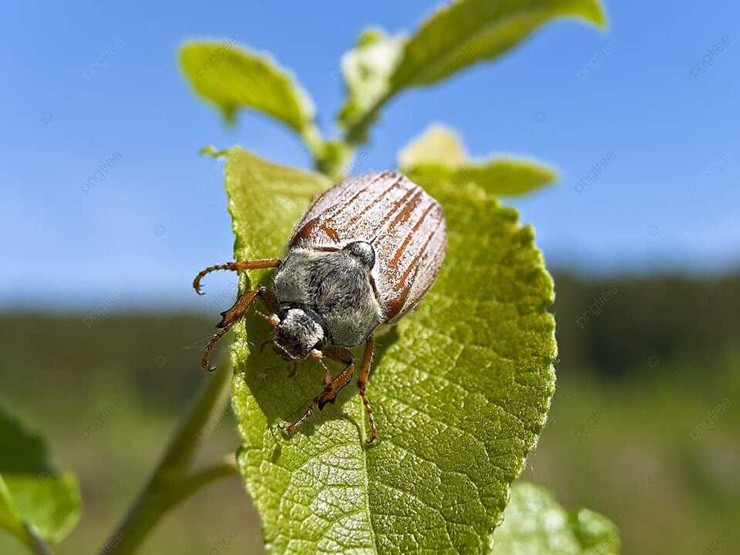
{"points": [[332, 389], [232, 316], [235, 267], [367, 359], [270, 301], [318, 356]]}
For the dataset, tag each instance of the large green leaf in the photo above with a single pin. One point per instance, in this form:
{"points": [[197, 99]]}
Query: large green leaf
{"points": [[461, 388], [535, 523], [34, 499], [233, 78], [463, 33], [438, 155]]}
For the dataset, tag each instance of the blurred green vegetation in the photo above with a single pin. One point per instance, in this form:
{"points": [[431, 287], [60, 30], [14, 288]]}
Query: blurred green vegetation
{"points": [[644, 426]]}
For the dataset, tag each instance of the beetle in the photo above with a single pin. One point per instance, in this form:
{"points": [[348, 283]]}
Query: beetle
{"points": [[364, 254]]}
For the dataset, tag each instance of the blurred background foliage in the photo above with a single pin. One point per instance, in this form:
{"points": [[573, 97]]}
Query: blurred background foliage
{"points": [[643, 426]]}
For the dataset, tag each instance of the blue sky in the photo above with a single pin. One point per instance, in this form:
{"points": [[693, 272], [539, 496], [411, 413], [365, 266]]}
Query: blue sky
{"points": [[88, 82]]}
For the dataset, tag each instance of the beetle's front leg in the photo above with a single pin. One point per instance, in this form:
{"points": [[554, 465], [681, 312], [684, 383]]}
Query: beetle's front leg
{"points": [[331, 389], [318, 356], [233, 315]]}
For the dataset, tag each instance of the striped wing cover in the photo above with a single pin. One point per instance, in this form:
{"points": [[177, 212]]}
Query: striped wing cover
{"points": [[403, 223]]}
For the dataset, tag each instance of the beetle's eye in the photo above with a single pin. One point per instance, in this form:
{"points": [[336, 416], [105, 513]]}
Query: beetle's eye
{"points": [[363, 251]]}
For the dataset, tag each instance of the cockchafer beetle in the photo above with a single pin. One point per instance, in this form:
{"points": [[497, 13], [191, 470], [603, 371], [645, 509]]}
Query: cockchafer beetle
{"points": [[364, 254]]}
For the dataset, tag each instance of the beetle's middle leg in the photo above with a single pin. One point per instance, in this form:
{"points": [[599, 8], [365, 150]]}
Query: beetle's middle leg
{"points": [[367, 359], [332, 388], [234, 314]]}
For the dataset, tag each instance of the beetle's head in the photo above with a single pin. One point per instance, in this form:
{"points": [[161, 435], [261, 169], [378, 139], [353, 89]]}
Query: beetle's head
{"points": [[297, 333]]}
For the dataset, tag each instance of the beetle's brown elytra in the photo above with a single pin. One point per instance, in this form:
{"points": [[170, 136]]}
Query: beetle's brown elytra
{"points": [[364, 254]]}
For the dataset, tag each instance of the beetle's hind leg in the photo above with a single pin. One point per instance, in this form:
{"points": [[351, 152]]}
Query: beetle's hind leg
{"points": [[367, 359], [331, 389], [233, 315], [235, 267]]}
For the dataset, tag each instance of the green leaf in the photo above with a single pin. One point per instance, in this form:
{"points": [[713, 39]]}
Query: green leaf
{"points": [[438, 155], [463, 33], [232, 78], [9, 519], [265, 202], [34, 499], [460, 388], [21, 452], [51, 504], [439, 144], [367, 69], [535, 523], [469, 31], [497, 176]]}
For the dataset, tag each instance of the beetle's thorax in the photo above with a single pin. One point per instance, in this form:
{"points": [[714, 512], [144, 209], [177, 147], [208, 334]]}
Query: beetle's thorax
{"points": [[336, 287]]}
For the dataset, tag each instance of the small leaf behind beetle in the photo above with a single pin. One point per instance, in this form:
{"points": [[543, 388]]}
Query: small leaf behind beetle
{"points": [[535, 523], [439, 156], [439, 144], [461, 388]]}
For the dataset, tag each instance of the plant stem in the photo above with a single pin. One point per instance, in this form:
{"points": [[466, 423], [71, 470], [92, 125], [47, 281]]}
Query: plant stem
{"points": [[337, 163], [356, 134], [170, 482], [35, 542], [313, 140], [201, 478]]}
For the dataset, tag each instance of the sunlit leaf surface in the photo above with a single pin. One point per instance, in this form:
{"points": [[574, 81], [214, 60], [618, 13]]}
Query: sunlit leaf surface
{"points": [[461, 388]]}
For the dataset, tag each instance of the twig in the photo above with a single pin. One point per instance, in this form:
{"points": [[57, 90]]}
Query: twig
{"points": [[171, 482]]}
